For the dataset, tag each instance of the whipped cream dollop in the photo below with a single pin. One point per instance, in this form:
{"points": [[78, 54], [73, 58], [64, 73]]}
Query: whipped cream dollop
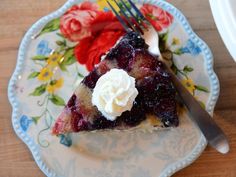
{"points": [[114, 93]]}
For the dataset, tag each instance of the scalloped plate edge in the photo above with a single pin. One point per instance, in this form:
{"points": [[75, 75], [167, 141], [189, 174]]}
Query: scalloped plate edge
{"points": [[215, 88]]}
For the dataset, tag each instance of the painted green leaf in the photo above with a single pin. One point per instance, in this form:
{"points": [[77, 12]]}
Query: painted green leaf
{"points": [[62, 48], [174, 68], [62, 67], [178, 52], [33, 75], [80, 75], [39, 57], [53, 82], [69, 53], [163, 41], [202, 104], [60, 43], [39, 90], [35, 119], [57, 100], [71, 60], [201, 88], [69, 57], [51, 26], [60, 35], [187, 69], [164, 36]]}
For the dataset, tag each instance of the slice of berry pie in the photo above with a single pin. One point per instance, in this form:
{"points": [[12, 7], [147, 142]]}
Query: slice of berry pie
{"points": [[128, 88]]}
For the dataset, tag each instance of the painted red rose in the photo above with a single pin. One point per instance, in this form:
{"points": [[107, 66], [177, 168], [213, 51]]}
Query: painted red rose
{"points": [[75, 24], [158, 17], [90, 50], [106, 31]]}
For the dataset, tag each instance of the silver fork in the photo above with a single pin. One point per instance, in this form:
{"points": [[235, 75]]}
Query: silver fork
{"points": [[138, 23]]}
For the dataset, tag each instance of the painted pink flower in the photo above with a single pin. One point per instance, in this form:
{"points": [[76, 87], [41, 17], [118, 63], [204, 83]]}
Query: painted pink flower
{"points": [[75, 24], [158, 17]]}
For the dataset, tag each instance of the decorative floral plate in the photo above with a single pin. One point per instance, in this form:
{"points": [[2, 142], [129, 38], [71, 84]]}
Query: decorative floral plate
{"points": [[60, 49]]}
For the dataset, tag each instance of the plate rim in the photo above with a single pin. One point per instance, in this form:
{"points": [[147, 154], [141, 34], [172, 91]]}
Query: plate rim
{"points": [[208, 66]]}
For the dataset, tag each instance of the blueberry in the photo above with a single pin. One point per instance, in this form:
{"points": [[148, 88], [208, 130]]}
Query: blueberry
{"points": [[134, 116], [102, 123], [91, 80]]}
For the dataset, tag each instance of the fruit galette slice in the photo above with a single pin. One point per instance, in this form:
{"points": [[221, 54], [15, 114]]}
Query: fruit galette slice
{"points": [[128, 88]]}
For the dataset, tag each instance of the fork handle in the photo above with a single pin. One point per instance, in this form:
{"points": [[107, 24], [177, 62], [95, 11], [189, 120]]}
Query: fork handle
{"points": [[212, 132]]}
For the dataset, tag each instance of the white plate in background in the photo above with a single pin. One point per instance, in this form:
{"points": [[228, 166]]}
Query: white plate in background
{"points": [[224, 13]]}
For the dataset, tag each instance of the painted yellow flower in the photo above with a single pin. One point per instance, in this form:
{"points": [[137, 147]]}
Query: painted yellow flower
{"points": [[189, 84], [175, 41], [45, 74], [103, 4], [54, 59], [54, 85]]}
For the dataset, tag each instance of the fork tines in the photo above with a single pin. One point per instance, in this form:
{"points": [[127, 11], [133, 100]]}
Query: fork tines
{"points": [[129, 16]]}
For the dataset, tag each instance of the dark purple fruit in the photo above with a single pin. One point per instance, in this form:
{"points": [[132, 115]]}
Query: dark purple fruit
{"points": [[91, 80], [135, 40], [102, 123], [134, 116], [75, 118], [71, 101]]}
